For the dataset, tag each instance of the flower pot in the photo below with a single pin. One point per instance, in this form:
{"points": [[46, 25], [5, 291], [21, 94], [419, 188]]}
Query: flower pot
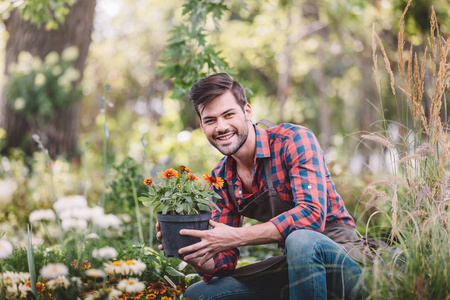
{"points": [[171, 225]]}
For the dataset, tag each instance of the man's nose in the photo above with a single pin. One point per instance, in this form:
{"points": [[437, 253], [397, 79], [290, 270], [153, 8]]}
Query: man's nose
{"points": [[221, 125]]}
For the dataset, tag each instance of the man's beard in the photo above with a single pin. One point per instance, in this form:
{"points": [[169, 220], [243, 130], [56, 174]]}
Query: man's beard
{"points": [[225, 150]]}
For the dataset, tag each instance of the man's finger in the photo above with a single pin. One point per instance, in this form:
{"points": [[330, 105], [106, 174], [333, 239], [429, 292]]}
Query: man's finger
{"points": [[192, 232], [213, 223]]}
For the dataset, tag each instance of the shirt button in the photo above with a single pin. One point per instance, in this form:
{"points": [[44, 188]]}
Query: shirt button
{"points": [[309, 186]]}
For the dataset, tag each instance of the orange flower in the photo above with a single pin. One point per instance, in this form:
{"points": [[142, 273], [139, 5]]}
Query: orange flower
{"points": [[86, 265], [40, 286], [158, 287], [148, 181], [169, 173], [150, 296], [192, 176], [217, 182], [179, 186]]}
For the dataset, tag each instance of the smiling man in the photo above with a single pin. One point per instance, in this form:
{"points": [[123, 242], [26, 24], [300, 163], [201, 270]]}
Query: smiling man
{"points": [[277, 176]]}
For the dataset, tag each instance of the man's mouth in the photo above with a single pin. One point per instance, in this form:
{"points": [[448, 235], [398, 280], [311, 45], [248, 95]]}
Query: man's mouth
{"points": [[224, 137]]}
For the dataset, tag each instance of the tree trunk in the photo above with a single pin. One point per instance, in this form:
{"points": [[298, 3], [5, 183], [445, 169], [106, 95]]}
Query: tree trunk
{"points": [[60, 135]]}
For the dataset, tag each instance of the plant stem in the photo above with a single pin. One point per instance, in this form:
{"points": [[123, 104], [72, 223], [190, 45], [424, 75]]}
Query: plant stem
{"points": [[31, 268], [105, 139], [86, 182], [138, 214], [150, 210]]}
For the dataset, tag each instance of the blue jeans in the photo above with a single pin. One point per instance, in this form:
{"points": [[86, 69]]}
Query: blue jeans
{"points": [[317, 269]]}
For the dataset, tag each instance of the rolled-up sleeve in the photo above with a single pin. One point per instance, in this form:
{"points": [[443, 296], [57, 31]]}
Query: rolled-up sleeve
{"points": [[304, 159]]}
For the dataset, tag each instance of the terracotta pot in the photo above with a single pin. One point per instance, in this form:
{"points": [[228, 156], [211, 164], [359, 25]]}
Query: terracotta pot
{"points": [[171, 225]]}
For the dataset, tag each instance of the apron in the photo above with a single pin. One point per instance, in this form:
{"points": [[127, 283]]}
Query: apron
{"points": [[269, 204]]}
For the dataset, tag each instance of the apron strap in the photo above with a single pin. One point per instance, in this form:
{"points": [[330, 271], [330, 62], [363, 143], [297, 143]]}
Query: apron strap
{"points": [[266, 122]]}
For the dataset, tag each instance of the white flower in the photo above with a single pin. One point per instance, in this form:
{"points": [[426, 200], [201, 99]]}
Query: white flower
{"points": [[5, 248], [58, 282], [95, 295], [107, 221], [88, 213], [95, 212], [23, 289], [131, 285], [7, 190], [77, 281], [23, 277], [136, 266], [15, 278], [76, 224], [95, 273], [104, 253], [92, 235], [69, 202], [42, 215], [114, 294], [54, 270], [117, 267], [11, 289]]}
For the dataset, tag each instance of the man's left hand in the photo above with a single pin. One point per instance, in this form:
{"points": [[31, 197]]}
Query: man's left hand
{"points": [[220, 238]]}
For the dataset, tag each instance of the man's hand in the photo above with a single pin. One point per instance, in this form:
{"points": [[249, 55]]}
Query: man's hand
{"points": [[221, 238], [159, 235]]}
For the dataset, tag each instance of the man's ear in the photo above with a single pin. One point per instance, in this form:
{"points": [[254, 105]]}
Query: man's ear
{"points": [[201, 123], [248, 112]]}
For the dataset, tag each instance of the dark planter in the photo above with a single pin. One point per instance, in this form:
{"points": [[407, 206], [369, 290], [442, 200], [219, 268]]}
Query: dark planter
{"points": [[171, 225]]}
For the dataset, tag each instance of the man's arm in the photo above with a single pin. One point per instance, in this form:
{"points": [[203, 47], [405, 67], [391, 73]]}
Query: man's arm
{"points": [[308, 179], [222, 238]]}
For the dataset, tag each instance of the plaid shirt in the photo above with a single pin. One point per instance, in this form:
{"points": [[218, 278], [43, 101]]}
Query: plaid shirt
{"points": [[299, 174]]}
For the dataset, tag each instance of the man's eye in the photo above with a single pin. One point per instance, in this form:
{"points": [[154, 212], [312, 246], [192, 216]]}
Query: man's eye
{"points": [[208, 121], [229, 115]]}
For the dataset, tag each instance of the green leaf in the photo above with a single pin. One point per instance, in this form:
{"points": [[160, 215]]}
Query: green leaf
{"points": [[172, 272]]}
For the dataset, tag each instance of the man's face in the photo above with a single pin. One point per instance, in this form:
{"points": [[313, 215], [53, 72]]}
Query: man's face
{"points": [[225, 124]]}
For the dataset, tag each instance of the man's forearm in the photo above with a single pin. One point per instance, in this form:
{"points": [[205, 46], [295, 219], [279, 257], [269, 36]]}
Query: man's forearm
{"points": [[264, 233]]}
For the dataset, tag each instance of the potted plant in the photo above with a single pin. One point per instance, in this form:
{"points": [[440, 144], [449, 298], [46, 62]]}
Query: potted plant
{"points": [[183, 202]]}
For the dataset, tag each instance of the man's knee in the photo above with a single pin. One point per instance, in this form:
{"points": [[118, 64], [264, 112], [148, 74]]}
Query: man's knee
{"points": [[195, 291], [302, 239]]}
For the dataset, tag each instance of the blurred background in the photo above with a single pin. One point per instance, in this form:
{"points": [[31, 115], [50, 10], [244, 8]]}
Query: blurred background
{"points": [[309, 62]]}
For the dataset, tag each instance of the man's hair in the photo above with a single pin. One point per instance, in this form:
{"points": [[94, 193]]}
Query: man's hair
{"points": [[207, 89]]}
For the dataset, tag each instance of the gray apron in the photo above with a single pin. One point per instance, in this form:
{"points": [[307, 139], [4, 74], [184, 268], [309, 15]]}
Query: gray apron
{"points": [[268, 205]]}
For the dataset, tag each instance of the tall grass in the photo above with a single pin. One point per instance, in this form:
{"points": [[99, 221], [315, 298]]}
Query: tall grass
{"points": [[415, 199]]}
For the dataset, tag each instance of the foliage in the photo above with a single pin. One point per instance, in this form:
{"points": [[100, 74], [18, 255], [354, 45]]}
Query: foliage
{"points": [[38, 89], [188, 56], [95, 276], [415, 199], [179, 192], [50, 12], [120, 194]]}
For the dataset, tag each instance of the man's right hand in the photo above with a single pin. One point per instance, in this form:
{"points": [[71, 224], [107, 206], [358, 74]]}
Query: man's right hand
{"points": [[159, 235]]}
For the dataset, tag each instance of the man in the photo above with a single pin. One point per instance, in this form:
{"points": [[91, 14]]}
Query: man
{"points": [[277, 176]]}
